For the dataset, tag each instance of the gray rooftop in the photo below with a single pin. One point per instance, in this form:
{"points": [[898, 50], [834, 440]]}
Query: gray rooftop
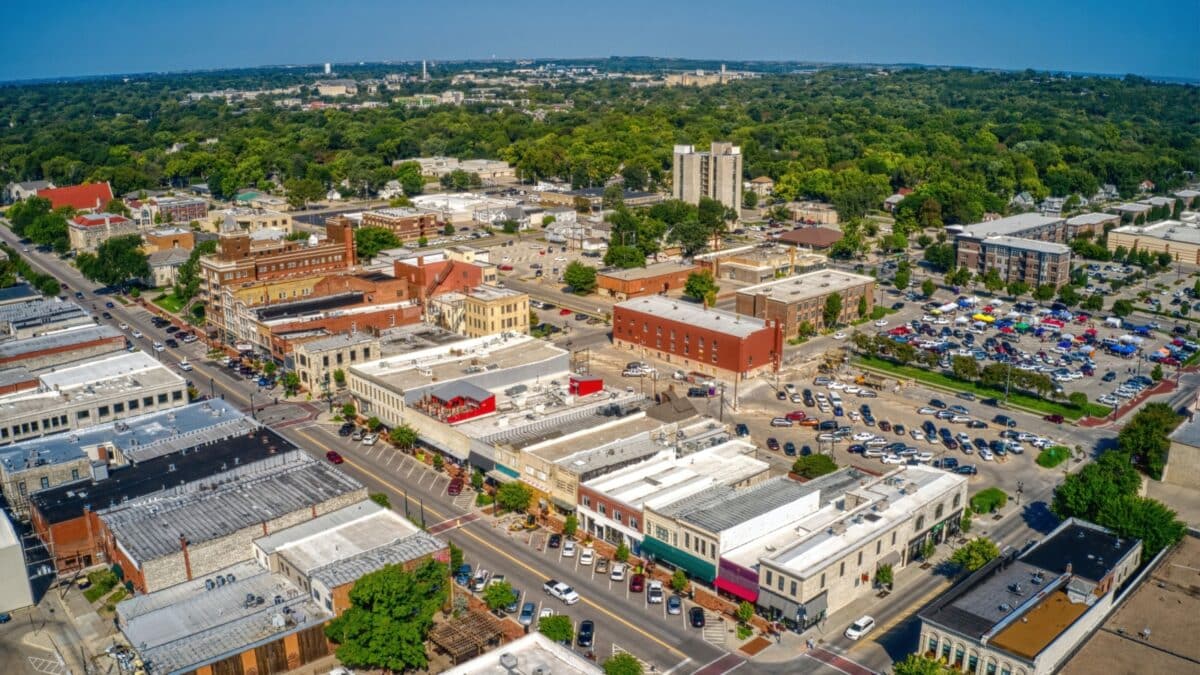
{"points": [[682, 311], [15, 375], [333, 342], [169, 257], [724, 507], [1133, 207], [397, 552], [647, 272], [18, 293], [1010, 226], [57, 339], [1187, 433], [809, 285], [150, 528], [1168, 230], [1028, 244], [38, 312], [1092, 218]]}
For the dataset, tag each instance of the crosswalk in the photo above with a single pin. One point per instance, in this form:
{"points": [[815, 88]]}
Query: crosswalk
{"points": [[714, 629], [617, 649], [464, 501], [48, 666]]}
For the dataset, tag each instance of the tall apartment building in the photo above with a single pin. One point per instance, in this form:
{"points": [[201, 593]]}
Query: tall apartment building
{"points": [[181, 209], [1033, 262], [716, 174]]}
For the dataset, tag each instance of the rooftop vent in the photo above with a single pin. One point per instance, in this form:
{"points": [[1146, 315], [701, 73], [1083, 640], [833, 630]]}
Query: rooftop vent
{"points": [[508, 661]]}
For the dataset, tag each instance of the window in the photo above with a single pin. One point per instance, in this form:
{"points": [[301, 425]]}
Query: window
{"points": [[946, 651], [162, 398], [972, 663], [769, 577], [176, 395], [933, 644], [74, 474], [82, 415], [991, 668], [842, 569], [860, 558], [687, 540], [937, 514], [893, 539], [602, 509], [103, 411], [587, 501], [957, 500], [920, 523], [878, 546], [134, 404], [781, 583], [21, 487], [958, 656], [147, 401], [118, 408], [660, 533], [793, 588], [633, 523], [1004, 670], [822, 580]]}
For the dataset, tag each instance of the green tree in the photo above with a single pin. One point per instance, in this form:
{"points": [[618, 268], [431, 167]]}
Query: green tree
{"points": [[117, 261], [411, 180], [404, 436], [570, 525], [691, 235], [622, 553], [438, 462], [702, 287], [1156, 373], [920, 665], [514, 496], [1146, 435], [581, 278], [744, 612], [456, 555], [975, 554], [1078, 399], [992, 280], [422, 241], [381, 499], [749, 199], [928, 287], [928, 549], [116, 206], [833, 310], [965, 368], [862, 307], [374, 423], [902, 279], [349, 411], [302, 191], [812, 466], [477, 480], [1093, 303], [390, 615], [447, 230], [613, 197], [1131, 516], [558, 628], [339, 377], [679, 581], [1083, 494], [498, 595], [1043, 293], [624, 257], [940, 257], [1068, 295], [510, 226], [624, 663], [1017, 288], [369, 241], [884, 576], [187, 280], [1122, 308]]}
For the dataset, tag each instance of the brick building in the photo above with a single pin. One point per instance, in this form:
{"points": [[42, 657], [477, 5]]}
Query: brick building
{"points": [[692, 337], [407, 223], [181, 209], [663, 277], [87, 231], [1033, 262], [273, 330], [165, 238], [1093, 223], [61, 347], [432, 274], [801, 299]]}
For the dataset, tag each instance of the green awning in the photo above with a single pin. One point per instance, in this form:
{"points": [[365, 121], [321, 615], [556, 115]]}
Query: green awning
{"points": [[697, 567]]}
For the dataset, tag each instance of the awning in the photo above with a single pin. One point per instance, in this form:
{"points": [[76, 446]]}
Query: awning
{"points": [[562, 503], [499, 476], [786, 607], [697, 567], [815, 607], [445, 450], [736, 590], [892, 558]]}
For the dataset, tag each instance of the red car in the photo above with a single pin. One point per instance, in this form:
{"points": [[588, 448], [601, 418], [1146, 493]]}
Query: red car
{"points": [[637, 583], [797, 415], [334, 457], [506, 268], [564, 312], [1055, 418], [455, 487]]}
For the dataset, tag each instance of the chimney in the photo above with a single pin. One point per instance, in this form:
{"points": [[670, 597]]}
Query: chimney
{"points": [[187, 562], [1069, 568]]}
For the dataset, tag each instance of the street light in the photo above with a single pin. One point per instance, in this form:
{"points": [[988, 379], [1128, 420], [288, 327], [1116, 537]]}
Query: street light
{"points": [[1020, 489]]}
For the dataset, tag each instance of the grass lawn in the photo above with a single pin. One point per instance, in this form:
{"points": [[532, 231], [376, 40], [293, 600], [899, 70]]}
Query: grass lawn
{"points": [[1053, 456], [952, 383], [169, 302]]}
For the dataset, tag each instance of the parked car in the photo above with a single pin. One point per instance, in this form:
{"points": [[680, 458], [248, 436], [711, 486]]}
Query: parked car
{"points": [[370, 439], [1055, 418], [555, 541], [346, 429], [696, 617], [587, 633], [586, 556], [860, 627], [455, 487], [568, 549], [654, 593], [526, 616], [674, 605], [637, 583], [618, 572]]}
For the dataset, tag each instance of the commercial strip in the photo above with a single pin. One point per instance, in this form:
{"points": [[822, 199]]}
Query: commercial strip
{"points": [[1025, 613], [798, 300], [1178, 238]]}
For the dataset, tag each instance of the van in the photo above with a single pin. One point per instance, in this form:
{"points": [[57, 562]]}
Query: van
{"points": [[835, 398]]}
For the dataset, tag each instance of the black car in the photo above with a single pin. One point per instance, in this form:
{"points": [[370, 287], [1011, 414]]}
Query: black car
{"points": [[742, 430], [696, 617], [581, 317], [106, 315], [109, 305], [587, 633], [856, 449], [346, 429], [171, 342], [929, 428], [171, 329], [781, 395], [898, 306], [828, 425], [789, 449], [937, 403], [948, 463], [995, 403], [805, 451], [967, 470], [555, 541], [1005, 420]]}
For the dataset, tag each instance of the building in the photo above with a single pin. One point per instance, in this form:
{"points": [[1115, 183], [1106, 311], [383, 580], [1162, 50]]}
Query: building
{"points": [[610, 505], [816, 238], [341, 87], [17, 293], [84, 394], [1025, 613], [86, 198], [246, 219], [1023, 226], [42, 315], [61, 347], [180, 209], [757, 264], [828, 556], [489, 170], [165, 238], [432, 274], [761, 186], [533, 653], [1090, 223], [483, 310], [1131, 212], [1190, 198], [799, 300], [1030, 261], [184, 533], [274, 330], [813, 213], [88, 230], [242, 258], [1179, 238], [594, 198], [693, 337], [463, 208], [317, 360], [407, 223], [1149, 632], [635, 282], [15, 192], [716, 174], [1183, 456], [15, 592], [165, 264]]}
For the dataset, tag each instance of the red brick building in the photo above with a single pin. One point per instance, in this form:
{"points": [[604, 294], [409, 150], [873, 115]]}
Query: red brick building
{"points": [[664, 277], [406, 223], [434, 274], [693, 337]]}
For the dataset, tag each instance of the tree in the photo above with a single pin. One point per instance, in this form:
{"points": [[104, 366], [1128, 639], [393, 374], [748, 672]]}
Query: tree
{"points": [[940, 257], [1122, 308], [902, 279], [928, 549], [349, 411], [301, 191], [1143, 518], [1093, 303], [369, 241], [411, 180], [884, 576], [116, 206], [965, 368], [1156, 373], [624, 663], [513, 496], [622, 552], [613, 197], [117, 261], [187, 279], [1083, 494], [691, 236], [422, 241], [833, 310], [744, 612], [374, 423], [404, 436], [381, 499], [992, 280], [456, 556], [339, 377], [509, 226], [862, 306], [920, 665], [1146, 435], [975, 554], [624, 257], [498, 595], [438, 462], [812, 466], [1043, 293], [581, 278], [749, 199], [558, 628], [928, 287], [1068, 295], [702, 287], [679, 581], [448, 230], [1078, 399], [1017, 288], [570, 525], [390, 615]]}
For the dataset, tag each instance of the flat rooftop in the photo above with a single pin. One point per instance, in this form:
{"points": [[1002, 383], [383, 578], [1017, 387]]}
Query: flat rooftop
{"points": [[1092, 218], [59, 339], [1166, 605], [1028, 244], [1041, 625], [40, 312], [808, 285], [489, 293], [631, 436], [1169, 230], [150, 528], [71, 500], [455, 360], [666, 479], [118, 366], [1133, 207], [336, 534], [1090, 551], [1010, 226], [185, 626], [1187, 433], [533, 653], [338, 341], [123, 374], [724, 506], [682, 311], [18, 293], [648, 272], [302, 307]]}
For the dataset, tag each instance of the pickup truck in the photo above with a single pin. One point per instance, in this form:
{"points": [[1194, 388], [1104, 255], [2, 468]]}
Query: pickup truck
{"points": [[561, 591]]}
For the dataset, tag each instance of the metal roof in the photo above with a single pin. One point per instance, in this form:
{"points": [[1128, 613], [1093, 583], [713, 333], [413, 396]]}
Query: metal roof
{"points": [[17, 293], [57, 339], [723, 507], [1011, 226], [400, 551], [1028, 245], [682, 311], [647, 272]]}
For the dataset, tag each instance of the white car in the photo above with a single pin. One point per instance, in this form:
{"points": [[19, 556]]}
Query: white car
{"points": [[927, 411], [985, 455], [617, 573], [185, 366], [836, 386], [545, 613], [923, 457], [852, 389], [881, 323], [124, 326], [917, 435], [872, 453], [158, 347], [568, 549], [586, 556], [960, 419], [839, 336], [1026, 437], [136, 333], [370, 439], [863, 436], [876, 442], [892, 459], [854, 416], [860, 628]]}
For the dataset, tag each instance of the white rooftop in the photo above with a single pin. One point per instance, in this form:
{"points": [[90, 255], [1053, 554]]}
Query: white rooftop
{"points": [[533, 653], [808, 285], [719, 320], [666, 479], [127, 364], [1172, 230], [1010, 226], [1091, 218], [337, 535]]}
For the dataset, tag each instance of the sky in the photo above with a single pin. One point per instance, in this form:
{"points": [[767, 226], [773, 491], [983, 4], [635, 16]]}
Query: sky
{"points": [[67, 38]]}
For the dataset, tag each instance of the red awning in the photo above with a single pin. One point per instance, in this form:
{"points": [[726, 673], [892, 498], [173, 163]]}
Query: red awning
{"points": [[736, 590]]}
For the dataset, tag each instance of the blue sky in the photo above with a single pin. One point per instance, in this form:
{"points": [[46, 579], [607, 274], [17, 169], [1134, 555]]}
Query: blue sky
{"points": [[78, 37]]}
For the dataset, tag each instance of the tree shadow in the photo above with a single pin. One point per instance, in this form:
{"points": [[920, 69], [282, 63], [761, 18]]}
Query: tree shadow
{"points": [[1038, 517], [898, 641]]}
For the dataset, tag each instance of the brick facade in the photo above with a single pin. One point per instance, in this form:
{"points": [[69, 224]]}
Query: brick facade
{"points": [[625, 284], [695, 347], [406, 223]]}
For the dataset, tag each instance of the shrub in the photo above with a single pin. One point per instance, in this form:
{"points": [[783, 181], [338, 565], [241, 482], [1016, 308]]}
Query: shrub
{"points": [[483, 499], [1053, 456], [987, 501]]}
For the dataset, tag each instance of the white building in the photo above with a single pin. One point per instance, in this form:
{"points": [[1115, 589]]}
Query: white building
{"points": [[15, 592]]}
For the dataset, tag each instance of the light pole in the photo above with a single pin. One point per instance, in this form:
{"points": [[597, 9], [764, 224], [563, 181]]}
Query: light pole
{"points": [[1020, 489]]}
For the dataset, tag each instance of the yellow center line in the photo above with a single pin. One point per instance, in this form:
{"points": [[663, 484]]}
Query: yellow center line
{"points": [[492, 546], [902, 615]]}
